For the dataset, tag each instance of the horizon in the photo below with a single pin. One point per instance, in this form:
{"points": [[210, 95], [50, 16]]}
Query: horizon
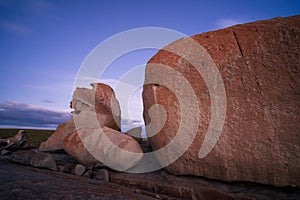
{"points": [[45, 42]]}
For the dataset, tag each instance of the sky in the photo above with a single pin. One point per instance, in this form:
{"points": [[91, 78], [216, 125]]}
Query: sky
{"points": [[43, 44]]}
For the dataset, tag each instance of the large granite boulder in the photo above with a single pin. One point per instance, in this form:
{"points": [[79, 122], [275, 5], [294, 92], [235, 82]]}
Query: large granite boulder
{"points": [[259, 64], [90, 146], [93, 108]]}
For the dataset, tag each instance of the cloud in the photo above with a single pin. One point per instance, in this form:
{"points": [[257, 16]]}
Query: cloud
{"points": [[131, 122], [47, 101], [15, 28], [17, 114], [226, 22]]}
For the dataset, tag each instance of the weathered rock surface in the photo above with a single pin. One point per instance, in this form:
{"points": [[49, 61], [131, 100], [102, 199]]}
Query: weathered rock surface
{"points": [[101, 99], [136, 133], [101, 174], [55, 141], [5, 152], [194, 188], [260, 66], [115, 149], [21, 182], [74, 146], [65, 162], [79, 169], [93, 108], [159, 184], [34, 158]]}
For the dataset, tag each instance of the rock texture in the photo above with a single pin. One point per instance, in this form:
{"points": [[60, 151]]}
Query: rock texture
{"points": [[35, 159], [259, 63], [136, 133], [73, 145], [79, 169], [101, 174], [31, 183], [194, 188], [114, 154], [101, 99], [55, 141], [17, 142], [98, 103], [159, 184]]}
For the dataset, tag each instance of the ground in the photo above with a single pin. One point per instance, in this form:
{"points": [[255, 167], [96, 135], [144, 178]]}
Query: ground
{"points": [[22, 182]]}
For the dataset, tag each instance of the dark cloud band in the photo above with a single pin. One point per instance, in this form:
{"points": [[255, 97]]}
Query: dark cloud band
{"points": [[23, 115]]}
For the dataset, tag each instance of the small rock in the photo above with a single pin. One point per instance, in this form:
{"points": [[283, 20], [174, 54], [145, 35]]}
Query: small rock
{"points": [[66, 167], [60, 168], [79, 170], [88, 174], [101, 175], [34, 158], [43, 160], [5, 152], [99, 165]]}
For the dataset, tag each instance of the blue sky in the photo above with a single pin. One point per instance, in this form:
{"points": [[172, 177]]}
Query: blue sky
{"points": [[43, 44]]}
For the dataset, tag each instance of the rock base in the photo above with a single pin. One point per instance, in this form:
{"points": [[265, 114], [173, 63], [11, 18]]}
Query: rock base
{"points": [[154, 185]]}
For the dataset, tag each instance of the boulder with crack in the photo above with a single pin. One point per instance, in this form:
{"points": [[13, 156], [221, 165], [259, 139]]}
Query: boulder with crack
{"points": [[259, 65]]}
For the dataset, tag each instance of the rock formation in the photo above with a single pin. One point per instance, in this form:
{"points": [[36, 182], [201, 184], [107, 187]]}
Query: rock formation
{"points": [[34, 158], [99, 102], [101, 99], [96, 120], [73, 145], [136, 133], [17, 142], [259, 64], [114, 154], [55, 142]]}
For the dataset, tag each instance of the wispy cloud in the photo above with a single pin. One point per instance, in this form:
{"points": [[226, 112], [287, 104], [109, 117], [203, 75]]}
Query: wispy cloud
{"points": [[226, 22], [13, 27], [47, 101], [17, 114], [130, 121]]}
